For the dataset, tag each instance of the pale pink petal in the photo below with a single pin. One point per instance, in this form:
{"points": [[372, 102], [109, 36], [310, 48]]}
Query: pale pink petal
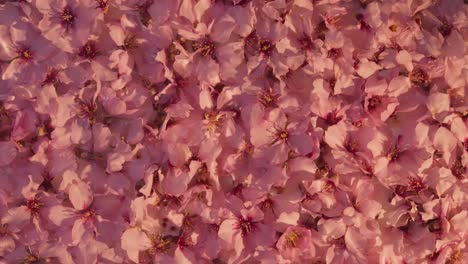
{"points": [[80, 195]]}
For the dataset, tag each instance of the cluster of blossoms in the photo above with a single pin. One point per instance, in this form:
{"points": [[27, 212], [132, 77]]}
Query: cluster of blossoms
{"points": [[233, 131]]}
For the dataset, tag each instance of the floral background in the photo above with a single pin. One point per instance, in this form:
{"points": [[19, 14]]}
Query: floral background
{"points": [[233, 131]]}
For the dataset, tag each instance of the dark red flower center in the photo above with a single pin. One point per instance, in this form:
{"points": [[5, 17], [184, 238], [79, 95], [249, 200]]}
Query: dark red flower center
{"points": [[31, 259], [306, 43], [51, 77], [374, 102], [268, 98], [67, 17], [332, 118], [103, 5], [282, 135], [205, 45], [266, 47], [415, 184], [159, 243], [25, 54], [185, 241], [419, 78], [434, 225], [130, 42], [34, 204], [329, 187], [88, 51], [267, 205], [351, 146], [334, 53], [145, 16], [458, 170], [394, 154], [88, 214], [86, 109], [339, 242], [245, 225]]}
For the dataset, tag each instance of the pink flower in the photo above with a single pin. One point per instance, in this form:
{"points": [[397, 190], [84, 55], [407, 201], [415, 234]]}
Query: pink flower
{"points": [[296, 244], [26, 52], [67, 23], [244, 231]]}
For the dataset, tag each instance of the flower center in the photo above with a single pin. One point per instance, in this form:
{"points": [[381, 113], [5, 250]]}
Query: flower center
{"points": [[465, 144], [339, 242], [374, 102], [213, 120], [268, 98], [266, 47], [267, 204], [246, 225], [282, 135], [416, 184], [455, 256], [51, 76], [31, 259], [203, 176], [130, 42], [145, 16], [435, 225], [25, 54], [419, 78], [103, 5], [292, 239], [67, 18], [334, 53], [185, 241], [458, 170], [205, 45], [34, 204], [329, 187], [351, 146], [159, 243], [86, 109], [247, 149], [88, 51], [306, 43], [88, 215], [394, 154], [332, 118]]}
